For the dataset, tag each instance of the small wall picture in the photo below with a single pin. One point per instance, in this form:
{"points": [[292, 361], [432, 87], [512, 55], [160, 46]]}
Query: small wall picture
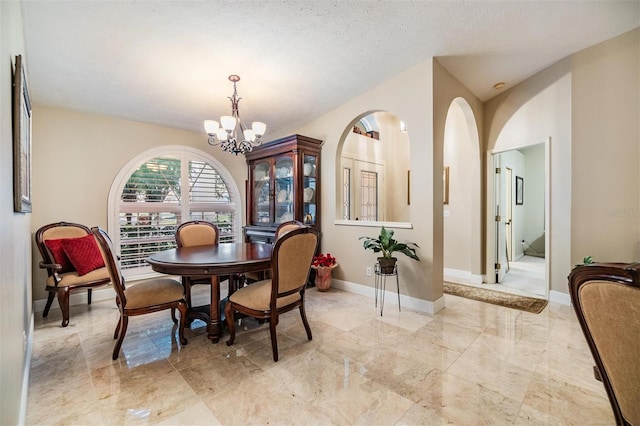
{"points": [[519, 191], [445, 182], [21, 140]]}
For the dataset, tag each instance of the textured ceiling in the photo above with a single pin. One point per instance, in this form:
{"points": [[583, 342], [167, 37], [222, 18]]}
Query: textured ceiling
{"points": [[167, 62]]}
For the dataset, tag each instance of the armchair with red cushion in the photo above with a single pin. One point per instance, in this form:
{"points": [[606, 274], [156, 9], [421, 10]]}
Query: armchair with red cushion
{"points": [[72, 259]]}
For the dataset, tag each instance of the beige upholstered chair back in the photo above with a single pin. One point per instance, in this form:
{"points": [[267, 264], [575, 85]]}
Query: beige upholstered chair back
{"points": [[197, 233], [56, 231], [606, 298], [113, 266], [285, 227], [292, 256], [65, 231]]}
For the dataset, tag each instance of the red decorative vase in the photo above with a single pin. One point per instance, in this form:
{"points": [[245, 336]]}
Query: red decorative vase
{"points": [[323, 277]]}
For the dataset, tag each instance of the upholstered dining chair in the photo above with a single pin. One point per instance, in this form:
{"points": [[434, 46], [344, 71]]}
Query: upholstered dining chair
{"points": [[268, 299], [72, 261], [606, 299], [196, 233], [283, 228], [143, 297]]}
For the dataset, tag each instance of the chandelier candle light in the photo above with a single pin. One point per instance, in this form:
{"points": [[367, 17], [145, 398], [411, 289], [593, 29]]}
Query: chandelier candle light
{"points": [[230, 133]]}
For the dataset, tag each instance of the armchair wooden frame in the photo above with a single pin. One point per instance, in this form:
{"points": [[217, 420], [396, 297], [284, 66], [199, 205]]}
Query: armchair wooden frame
{"points": [[57, 285], [605, 297]]}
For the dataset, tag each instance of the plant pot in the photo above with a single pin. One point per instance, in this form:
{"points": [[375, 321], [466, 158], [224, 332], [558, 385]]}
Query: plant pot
{"points": [[387, 264], [323, 277]]}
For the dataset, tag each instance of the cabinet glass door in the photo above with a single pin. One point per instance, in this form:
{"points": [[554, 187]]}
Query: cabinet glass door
{"points": [[284, 195], [261, 190], [309, 182]]}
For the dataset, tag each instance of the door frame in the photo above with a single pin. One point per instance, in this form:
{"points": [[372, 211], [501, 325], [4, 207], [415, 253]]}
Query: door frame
{"points": [[490, 240], [508, 212]]}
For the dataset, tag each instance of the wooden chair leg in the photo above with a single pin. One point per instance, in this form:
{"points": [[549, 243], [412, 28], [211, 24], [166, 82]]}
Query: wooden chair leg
{"points": [[50, 298], [123, 323], [303, 314], [186, 283], [117, 332], [228, 313], [274, 339], [182, 307], [63, 301]]}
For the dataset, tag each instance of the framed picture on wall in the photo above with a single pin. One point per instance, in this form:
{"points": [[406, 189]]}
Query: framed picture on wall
{"points": [[21, 111], [445, 182], [519, 191]]}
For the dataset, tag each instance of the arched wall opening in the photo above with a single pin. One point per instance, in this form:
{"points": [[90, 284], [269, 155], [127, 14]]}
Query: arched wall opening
{"points": [[372, 174], [462, 200]]}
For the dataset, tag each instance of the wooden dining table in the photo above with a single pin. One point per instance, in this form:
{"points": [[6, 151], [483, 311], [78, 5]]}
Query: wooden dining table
{"points": [[225, 259]]}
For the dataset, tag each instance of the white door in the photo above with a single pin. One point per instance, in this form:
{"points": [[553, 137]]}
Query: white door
{"points": [[508, 210], [500, 218], [369, 193]]}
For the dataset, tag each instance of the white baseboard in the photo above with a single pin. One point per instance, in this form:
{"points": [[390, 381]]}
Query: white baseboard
{"points": [[419, 305], [22, 415], [461, 277], [78, 298], [558, 297]]}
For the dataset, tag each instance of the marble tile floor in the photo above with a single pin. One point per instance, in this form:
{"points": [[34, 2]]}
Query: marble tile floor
{"points": [[470, 364], [526, 277]]}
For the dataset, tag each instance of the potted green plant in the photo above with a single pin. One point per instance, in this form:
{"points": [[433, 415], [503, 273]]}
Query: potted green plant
{"points": [[387, 245]]}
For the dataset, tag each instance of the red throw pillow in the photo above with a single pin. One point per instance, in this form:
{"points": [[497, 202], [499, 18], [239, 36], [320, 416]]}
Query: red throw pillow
{"points": [[59, 256], [84, 254]]}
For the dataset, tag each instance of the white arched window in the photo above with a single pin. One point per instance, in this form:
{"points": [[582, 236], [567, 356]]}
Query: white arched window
{"points": [[160, 189]]}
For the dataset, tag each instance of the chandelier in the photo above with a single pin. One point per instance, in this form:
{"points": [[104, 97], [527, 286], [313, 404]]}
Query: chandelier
{"points": [[230, 133]]}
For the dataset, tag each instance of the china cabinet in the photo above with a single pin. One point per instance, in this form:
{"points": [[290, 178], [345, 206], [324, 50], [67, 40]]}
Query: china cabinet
{"points": [[283, 185]]}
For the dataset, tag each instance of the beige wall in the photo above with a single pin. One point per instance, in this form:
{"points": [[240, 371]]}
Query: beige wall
{"points": [[534, 207], [76, 157], [15, 247], [461, 155], [605, 157], [408, 96]]}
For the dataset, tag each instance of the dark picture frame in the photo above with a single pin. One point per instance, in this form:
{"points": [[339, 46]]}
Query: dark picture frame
{"points": [[21, 110], [519, 191], [445, 182]]}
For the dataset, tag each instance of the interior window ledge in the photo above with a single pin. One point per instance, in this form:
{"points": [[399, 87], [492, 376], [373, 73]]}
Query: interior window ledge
{"points": [[372, 224]]}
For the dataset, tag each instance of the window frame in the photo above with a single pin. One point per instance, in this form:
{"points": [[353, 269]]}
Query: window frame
{"points": [[181, 152]]}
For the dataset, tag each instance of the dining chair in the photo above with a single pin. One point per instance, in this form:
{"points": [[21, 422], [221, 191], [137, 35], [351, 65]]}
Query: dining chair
{"points": [[283, 228], [196, 233], [142, 297], [72, 260], [606, 300], [268, 299]]}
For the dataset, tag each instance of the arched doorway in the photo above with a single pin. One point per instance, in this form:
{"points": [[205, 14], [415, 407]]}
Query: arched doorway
{"points": [[462, 203], [518, 197]]}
